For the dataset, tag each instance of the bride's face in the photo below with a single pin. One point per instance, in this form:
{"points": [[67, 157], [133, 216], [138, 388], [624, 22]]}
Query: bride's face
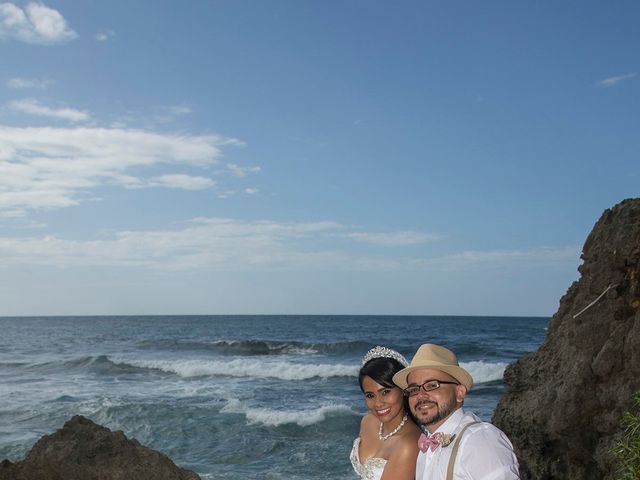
{"points": [[382, 401]]}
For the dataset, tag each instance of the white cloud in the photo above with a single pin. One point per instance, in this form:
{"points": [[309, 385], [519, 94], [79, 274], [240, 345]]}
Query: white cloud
{"points": [[182, 181], [235, 245], [33, 107], [205, 243], [251, 191], [178, 110], [613, 81], [239, 171], [472, 259], [36, 24], [227, 193], [394, 239], [45, 168], [169, 113], [29, 83], [11, 213], [104, 35]]}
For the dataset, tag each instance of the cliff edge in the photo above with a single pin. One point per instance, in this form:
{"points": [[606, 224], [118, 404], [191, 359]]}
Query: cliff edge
{"points": [[563, 404], [83, 450]]}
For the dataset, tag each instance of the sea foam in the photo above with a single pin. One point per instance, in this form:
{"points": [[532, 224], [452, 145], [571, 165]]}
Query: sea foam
{"points": [[485, 372], [245, 367], [281, 369], [273, 418]]}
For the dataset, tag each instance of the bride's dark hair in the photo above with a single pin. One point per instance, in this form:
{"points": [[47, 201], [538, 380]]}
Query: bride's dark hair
{"points": [[381, 370]]}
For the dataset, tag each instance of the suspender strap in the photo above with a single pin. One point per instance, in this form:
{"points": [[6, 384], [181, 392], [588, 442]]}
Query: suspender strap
{"points": [[454, 452]]}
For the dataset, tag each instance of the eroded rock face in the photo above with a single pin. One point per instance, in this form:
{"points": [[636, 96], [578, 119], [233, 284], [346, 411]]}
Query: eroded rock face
{"points": [[82, 450], [563, 403]]}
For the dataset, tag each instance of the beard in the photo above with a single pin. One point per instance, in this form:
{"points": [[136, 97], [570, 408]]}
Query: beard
{"points": [[443, 410]]}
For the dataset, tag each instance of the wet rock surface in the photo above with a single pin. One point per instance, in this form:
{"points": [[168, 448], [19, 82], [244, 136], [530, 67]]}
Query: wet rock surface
{"points": [[563, 404], [83, 450]]}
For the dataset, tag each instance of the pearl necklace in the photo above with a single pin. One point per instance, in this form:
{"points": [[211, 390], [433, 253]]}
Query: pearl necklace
{"points": [[392, 433]]}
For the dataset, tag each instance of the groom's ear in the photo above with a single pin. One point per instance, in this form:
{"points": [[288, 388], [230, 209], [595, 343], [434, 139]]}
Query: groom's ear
{"points": [[461, 392]]}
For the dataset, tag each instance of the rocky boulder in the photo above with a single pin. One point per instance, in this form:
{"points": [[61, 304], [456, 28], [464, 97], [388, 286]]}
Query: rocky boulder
{"points": [[82, 450], [563, 404]]}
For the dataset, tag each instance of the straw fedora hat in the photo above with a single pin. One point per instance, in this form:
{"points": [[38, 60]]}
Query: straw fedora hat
{"points": [[437, 358]]}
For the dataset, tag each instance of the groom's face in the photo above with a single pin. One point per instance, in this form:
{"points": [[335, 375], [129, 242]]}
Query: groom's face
{"points": [[434, 407]]}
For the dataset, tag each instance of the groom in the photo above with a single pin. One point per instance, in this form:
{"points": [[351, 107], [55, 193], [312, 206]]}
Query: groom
{"points": [[458, 444]]}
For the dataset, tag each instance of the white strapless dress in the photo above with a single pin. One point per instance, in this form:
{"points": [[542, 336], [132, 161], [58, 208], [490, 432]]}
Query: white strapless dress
{"points": [[371, 469]]}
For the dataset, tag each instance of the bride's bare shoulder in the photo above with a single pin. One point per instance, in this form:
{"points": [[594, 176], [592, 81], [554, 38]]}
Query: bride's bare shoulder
{"points": [[407, 444], [368, 422]]}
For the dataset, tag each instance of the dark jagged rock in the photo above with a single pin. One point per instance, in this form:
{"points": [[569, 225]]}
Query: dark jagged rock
{"points": [[563, 404], [82, 450]]}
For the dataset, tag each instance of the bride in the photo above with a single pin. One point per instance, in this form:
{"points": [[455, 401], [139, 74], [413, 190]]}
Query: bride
{"points": [[387, 446]]}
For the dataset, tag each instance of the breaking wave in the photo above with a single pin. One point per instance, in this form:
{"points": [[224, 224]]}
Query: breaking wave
{"points": [[274, 418], [245, 367]]}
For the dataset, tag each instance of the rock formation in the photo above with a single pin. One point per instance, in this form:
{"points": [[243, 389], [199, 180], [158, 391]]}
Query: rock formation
{"points": [[563, 404], [82, 450]]}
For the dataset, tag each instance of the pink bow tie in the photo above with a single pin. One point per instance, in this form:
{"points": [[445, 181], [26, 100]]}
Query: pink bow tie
{"points": [[431, 442]]}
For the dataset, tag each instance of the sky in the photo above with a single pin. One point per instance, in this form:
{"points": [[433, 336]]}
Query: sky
{"points": [[309, 157]]}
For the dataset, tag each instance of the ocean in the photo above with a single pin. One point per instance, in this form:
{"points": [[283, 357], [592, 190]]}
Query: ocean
{"points": [[230, 397]]}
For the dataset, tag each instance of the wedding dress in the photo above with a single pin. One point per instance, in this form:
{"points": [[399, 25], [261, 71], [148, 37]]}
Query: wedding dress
{"points": [[371, 469]]}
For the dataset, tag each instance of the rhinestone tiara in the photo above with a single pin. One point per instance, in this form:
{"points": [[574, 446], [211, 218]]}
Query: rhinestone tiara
{"points": [[384, 352]]}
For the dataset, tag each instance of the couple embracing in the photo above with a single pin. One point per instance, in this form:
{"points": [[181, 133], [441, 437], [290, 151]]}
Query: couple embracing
{"points": [[416, 427]]}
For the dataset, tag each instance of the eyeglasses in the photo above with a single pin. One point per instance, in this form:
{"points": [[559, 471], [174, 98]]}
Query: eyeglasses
{"points": [[428, 386]]}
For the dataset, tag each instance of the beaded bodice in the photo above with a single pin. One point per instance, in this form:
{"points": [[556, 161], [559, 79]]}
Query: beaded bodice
{"points": [[371, 469]]}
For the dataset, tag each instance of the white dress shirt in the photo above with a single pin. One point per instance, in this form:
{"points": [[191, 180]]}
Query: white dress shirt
{"points": [[485, 453]]}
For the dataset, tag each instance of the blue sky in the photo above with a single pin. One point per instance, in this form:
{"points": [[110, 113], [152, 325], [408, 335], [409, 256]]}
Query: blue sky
{"points": [[320, 157]]}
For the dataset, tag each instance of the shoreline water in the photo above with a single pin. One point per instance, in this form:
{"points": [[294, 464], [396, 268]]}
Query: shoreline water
{"points": [[230, 396]]}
